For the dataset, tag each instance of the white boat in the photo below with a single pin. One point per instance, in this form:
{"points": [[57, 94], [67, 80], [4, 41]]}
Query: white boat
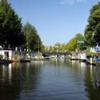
{"points": [[95, 60], [83, 57]]}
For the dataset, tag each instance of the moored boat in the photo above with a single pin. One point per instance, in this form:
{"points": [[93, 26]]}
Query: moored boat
{"points": [[95, 59], [83, 57], [25, 60], [5, 61]]}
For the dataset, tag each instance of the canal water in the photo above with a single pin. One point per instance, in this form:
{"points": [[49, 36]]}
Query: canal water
{"points": [[49, 80]]}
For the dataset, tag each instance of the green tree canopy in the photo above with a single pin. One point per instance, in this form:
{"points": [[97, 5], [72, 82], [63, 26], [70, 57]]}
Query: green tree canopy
{"points": [[57, 47], [33, 40], [92, 31], [76, 43], [10, 26]]}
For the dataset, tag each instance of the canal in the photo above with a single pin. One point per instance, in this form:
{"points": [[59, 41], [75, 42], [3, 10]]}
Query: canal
{"points": [[49, 80]]}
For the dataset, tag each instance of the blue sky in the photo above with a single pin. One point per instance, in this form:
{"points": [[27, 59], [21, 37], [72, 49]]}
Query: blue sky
{"points": [[55, 20]]}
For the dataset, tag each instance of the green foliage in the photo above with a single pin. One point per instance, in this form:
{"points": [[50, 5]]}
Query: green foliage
{"points": [[92, 31], [33, 40], [76, 43], [10, 26], [58, 47], [71, 46]]}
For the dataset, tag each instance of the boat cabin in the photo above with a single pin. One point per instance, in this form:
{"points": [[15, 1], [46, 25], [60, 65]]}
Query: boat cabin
{"points": [[6, 54]]}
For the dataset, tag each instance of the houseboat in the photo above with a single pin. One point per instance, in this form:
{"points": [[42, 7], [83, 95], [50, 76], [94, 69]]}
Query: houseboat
{"points": [[95, 60], [5, 56]]}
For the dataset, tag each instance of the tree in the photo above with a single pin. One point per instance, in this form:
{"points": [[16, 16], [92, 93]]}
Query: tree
{"points": [[10, 26], [76, 42], [92, 31], [33, 40], [71, 45], [57, 47]]}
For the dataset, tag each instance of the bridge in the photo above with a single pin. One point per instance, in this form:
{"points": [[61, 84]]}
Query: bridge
{"points": [[56, 54]]}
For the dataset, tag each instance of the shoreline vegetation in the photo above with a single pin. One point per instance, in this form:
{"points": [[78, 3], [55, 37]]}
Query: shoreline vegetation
{"points": [[25, 38]]}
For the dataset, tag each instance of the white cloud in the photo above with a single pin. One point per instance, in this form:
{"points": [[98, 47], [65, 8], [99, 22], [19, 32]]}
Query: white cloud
{"points": [[71, 2]]}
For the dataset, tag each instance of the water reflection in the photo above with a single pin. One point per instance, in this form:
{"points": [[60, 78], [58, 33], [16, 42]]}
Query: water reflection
{"points": [[15, 78], [6, 71], [52, 80], [92, 76], [9, 88], [97, 76]]}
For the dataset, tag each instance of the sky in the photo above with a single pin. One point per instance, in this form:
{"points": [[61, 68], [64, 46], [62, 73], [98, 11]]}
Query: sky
{"points": [[55, 20]]}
